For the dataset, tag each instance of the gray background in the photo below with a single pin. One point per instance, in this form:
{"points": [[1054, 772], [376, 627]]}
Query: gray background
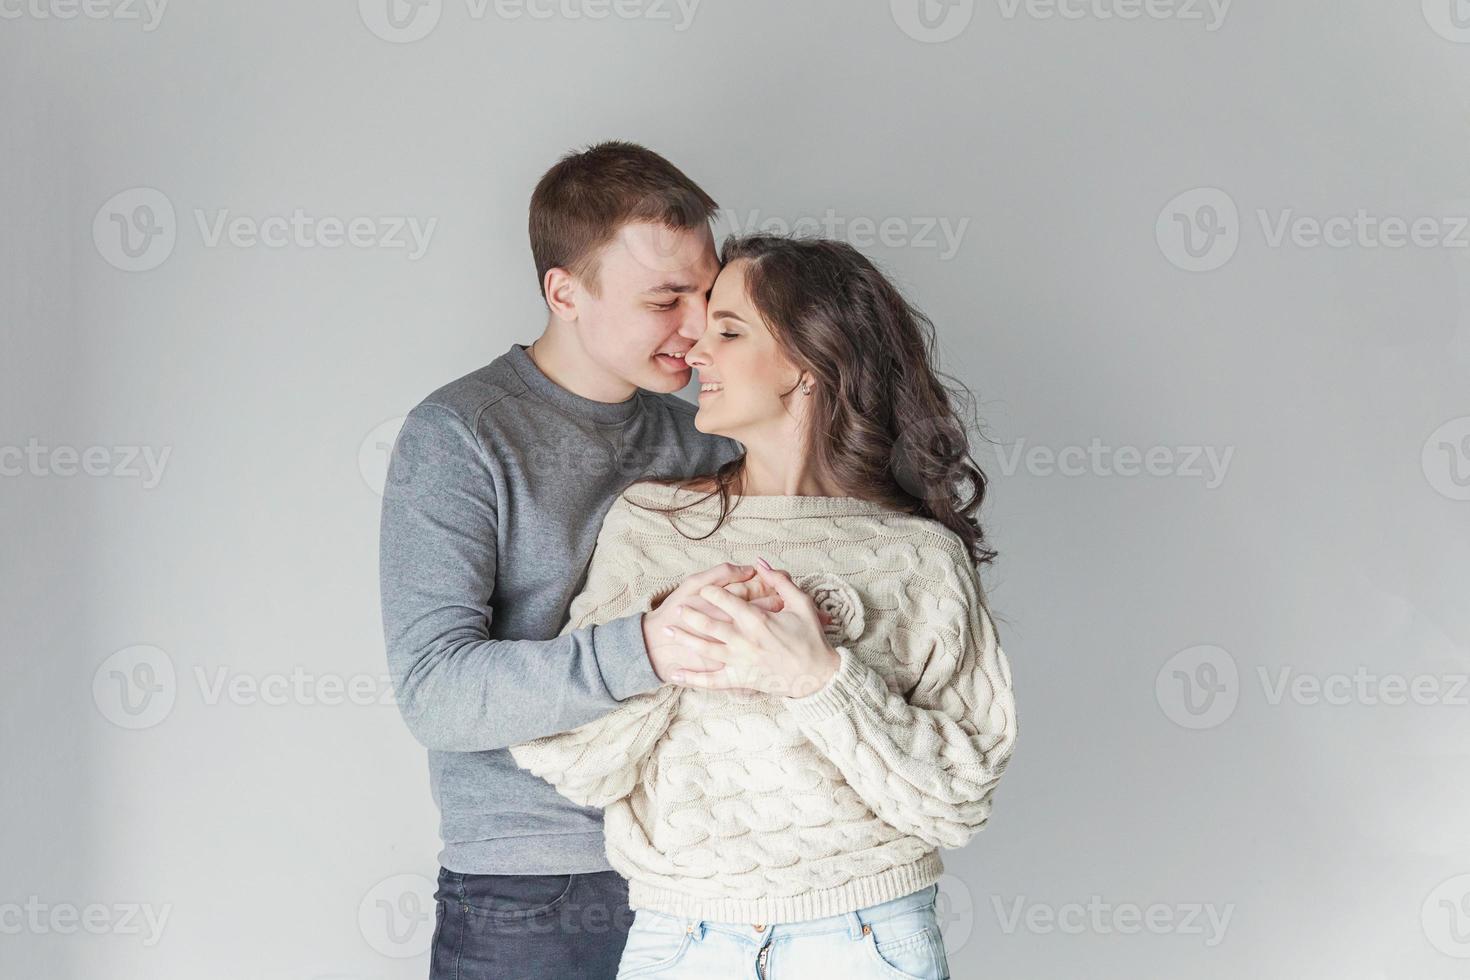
{"points": [[1162, 772]]}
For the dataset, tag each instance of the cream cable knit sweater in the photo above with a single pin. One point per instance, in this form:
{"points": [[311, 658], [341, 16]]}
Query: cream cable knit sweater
{"points": [[759, 808]]}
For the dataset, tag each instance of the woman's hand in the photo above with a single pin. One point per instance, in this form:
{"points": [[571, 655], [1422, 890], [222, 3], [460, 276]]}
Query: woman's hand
{"points": [[776, 652]]}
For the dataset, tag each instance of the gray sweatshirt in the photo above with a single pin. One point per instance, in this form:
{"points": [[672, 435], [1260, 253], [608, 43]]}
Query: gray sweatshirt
{"points": [[496, 491]]}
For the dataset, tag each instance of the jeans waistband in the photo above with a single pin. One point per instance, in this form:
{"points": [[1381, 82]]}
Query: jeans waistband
{"points": [[849, 922]]}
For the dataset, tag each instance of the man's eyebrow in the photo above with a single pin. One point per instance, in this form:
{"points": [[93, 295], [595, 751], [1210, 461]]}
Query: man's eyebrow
{"points": [[672, 287]]}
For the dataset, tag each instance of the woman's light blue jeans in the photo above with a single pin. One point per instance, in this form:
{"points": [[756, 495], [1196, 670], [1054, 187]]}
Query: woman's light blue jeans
{"points": [[894, 940]]}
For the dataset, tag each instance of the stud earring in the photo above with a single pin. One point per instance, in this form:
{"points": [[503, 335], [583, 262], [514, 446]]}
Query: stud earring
{"points": [[806, 389]]}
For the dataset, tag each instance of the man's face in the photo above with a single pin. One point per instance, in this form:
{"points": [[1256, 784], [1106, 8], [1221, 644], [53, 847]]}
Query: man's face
{"points": [[653, 291]]}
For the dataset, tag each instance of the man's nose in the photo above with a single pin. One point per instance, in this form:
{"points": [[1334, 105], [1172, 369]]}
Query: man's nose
{"points": [[694, 323]]}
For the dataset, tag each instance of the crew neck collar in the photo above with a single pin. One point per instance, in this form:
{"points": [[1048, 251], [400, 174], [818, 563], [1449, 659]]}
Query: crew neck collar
{"points": [[767, 505], [568, 401]]}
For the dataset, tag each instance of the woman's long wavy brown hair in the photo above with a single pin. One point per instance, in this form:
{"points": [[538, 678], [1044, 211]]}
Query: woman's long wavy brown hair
{"points": [[883, 425]]}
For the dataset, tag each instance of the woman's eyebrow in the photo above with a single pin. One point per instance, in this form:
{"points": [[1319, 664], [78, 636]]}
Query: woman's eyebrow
{"points": [[725, 315]]}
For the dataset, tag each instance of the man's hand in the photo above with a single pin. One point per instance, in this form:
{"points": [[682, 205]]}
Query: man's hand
{"points": [[664, 653], [752, 648]]}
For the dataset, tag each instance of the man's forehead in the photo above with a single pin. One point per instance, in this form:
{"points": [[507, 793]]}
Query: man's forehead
{"points": [[662, 257]]}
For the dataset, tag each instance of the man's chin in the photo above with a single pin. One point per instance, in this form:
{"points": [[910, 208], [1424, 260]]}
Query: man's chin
{"points": [[664, 381]]}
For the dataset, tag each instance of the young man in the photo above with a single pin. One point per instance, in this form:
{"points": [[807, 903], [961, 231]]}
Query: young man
{"points": [[497, 488]]}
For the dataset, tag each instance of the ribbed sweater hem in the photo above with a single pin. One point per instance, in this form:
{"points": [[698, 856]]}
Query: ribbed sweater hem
{"points": [[848, 897]]}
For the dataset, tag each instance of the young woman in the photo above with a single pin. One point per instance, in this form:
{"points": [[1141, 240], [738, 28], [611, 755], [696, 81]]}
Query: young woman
{"points": [[786, 818]]}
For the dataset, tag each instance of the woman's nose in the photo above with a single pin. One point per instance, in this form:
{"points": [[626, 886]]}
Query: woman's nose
{"points": [[697, 356]]}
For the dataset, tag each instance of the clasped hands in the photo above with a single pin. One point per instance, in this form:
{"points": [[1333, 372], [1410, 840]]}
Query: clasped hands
{"points": [[741, 628]]}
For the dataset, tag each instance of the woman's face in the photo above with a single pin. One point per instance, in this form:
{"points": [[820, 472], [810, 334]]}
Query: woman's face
{"points": [[742, 373]]}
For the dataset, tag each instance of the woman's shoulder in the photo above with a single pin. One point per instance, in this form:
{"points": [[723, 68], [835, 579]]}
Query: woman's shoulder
{"points": [[926, 533], [937, 560], [656, 493], [645, 506]]}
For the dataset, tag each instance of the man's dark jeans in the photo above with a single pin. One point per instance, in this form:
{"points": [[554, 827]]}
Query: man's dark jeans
{"points": [[530, 927]]}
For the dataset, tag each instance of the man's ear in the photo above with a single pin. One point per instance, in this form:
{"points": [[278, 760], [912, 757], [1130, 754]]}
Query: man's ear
{"points": [[561, 293]]}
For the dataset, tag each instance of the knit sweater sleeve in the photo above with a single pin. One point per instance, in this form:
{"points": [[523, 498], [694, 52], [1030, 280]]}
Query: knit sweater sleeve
{"points": [[599, 762], [926, 763]]}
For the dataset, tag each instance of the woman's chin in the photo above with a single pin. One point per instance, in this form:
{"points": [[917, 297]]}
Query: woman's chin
{"points": [[705, 422]]}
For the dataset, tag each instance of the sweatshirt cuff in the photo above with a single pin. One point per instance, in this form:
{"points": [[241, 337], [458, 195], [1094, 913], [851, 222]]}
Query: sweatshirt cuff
{"points": [[622, 656], [837, 695]]}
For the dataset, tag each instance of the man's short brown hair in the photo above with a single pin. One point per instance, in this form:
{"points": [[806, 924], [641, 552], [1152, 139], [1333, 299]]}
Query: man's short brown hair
{"points": [[580, 203]]}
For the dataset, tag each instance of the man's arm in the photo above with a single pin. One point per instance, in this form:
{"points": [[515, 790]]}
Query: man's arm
{"points": [[459, 690]]}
